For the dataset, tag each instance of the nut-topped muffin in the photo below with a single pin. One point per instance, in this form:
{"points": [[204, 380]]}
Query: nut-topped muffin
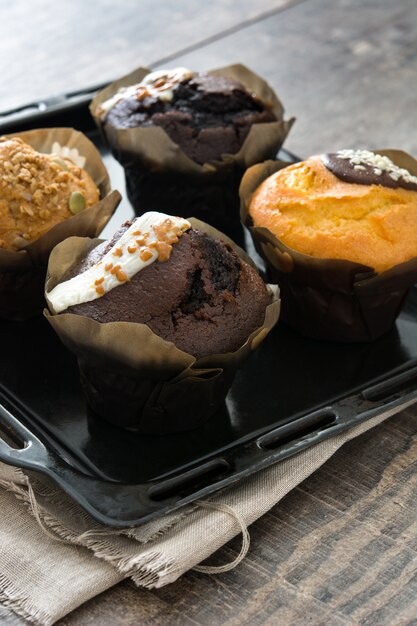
{"points": [[53, 185], [38, 191], [338, 232]]}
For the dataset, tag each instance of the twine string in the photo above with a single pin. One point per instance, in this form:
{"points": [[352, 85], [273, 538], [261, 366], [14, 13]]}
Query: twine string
{"points": [[220, 569]]}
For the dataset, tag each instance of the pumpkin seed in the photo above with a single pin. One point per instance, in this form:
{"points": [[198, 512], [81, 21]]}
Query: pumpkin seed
{"points": [[76, 202]]}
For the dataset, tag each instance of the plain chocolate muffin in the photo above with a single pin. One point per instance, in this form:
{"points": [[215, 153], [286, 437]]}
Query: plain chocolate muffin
{"points": [[204, 299], [206, 115]]}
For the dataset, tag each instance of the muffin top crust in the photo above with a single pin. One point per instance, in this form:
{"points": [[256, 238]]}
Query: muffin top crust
{"points": [[314, 211], [38, 191]]}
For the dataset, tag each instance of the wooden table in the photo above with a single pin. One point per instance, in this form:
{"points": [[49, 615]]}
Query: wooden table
{"points": [[341, 548]]}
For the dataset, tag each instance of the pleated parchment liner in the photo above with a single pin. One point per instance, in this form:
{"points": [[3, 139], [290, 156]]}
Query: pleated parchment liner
{"points": [[161, 177], [22, 273], [131, 376], [329, 298]]}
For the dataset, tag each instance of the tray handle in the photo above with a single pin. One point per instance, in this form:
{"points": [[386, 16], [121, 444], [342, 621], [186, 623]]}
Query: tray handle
{"points": [[28, 451]]}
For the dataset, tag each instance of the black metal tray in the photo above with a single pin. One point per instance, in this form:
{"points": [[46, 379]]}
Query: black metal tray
{"points": [[291, 394]]}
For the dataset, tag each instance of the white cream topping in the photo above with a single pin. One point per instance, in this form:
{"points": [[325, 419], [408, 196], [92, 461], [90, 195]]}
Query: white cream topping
{"points": [[149, 238], [159, 84]]}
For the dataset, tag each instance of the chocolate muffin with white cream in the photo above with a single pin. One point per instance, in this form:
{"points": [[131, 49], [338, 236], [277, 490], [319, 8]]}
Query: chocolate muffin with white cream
{"points": [[189, 288], [160, 318]]}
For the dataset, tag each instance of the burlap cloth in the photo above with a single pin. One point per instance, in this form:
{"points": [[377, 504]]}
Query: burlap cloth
{"points": [[54, 557]]}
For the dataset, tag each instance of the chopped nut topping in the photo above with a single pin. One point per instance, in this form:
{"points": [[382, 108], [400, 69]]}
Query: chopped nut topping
{"points": [[121, 276], [37, 196], [164, 251], [160, 82], [34, 192], [146, 255], [103, 276], [168, 232], [142, 93]]}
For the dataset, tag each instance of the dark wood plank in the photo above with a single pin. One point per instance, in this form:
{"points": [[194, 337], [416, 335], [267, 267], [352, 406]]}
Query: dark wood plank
{"points": [[48, 48], [8, 618], [340, 549], [347, 72]]}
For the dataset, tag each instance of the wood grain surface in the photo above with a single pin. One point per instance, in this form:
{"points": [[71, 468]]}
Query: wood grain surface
{"points": [[341, 548], [52, 47]]}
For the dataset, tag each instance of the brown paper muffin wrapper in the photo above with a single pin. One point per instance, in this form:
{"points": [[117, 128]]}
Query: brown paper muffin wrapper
{"points": [[329, 298], [137, 380], [161, 177], [22, 273]]}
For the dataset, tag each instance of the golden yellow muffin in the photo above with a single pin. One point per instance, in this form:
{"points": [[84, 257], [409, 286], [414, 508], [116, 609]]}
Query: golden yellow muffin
{"points": [[351, 205], [37, 191]]}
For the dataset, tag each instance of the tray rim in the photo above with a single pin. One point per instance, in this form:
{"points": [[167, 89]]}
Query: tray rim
{"points": [[87, 467], [35, 455]]}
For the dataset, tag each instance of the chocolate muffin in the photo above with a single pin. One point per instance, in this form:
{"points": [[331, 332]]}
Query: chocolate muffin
{"points": [[185, 138], [199, 295], [206, 115], [159, 318]]}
